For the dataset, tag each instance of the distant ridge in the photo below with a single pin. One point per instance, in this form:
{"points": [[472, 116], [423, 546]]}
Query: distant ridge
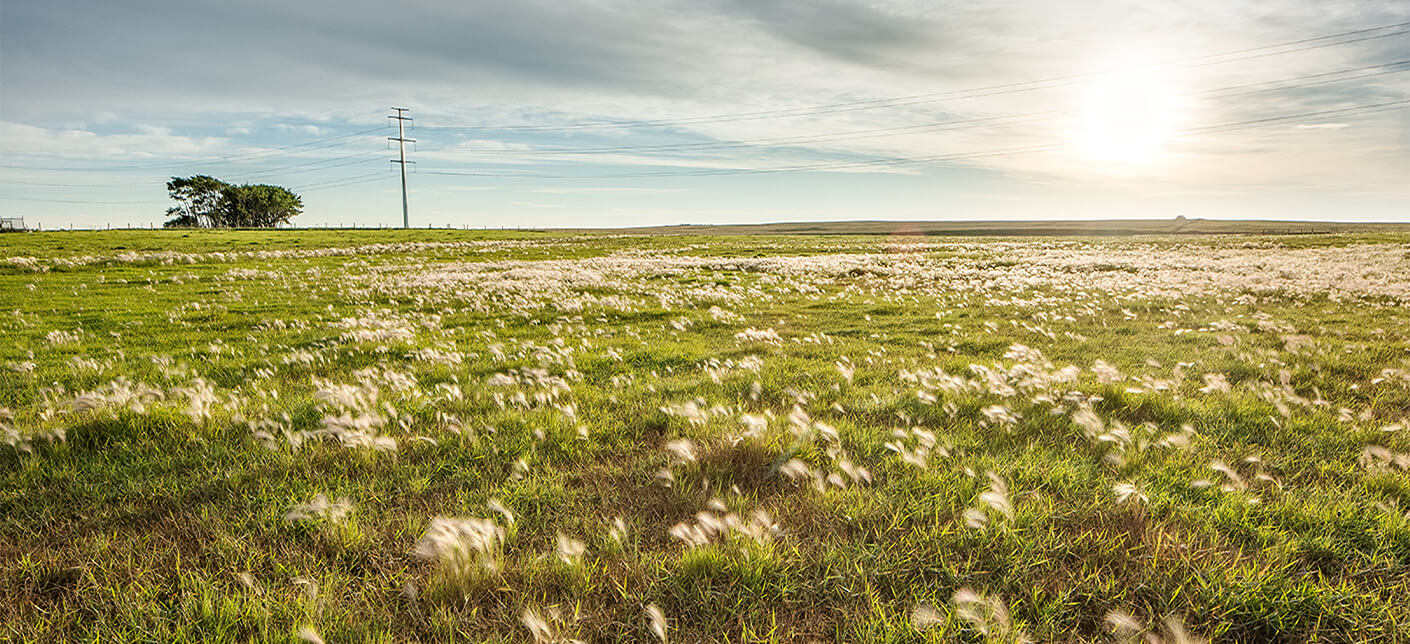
{"points": [[1178, 226]]}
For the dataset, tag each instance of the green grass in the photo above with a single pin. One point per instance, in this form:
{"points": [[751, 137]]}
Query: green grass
{"points": [[120, 523]]}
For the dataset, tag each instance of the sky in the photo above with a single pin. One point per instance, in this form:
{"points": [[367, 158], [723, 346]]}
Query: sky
{"points": [[613, 113]]}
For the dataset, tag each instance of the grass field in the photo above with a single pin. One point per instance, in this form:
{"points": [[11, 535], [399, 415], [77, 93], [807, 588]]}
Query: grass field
{"points": [[444, 436]]}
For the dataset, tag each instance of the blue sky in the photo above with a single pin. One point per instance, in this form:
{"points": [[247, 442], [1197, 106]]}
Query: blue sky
{"points": [[618, 113]]}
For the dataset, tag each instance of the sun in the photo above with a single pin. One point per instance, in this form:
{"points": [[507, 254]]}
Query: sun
{"points": [[1127, 116]]}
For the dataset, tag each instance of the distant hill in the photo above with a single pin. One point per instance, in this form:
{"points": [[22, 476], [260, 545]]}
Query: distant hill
{"points": [[986, 228]]}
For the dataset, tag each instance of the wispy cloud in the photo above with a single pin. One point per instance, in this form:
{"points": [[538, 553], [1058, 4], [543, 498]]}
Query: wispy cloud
{"points": [[731, 84]]}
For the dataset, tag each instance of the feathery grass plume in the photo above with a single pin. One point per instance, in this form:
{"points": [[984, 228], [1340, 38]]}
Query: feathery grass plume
{"points": [[1235, 481], [1376, 458], [617, 531], [693, 535], [247, 580], [200, 398], [1127, 492], [796, 469], [1215, 383], [309, 586], [761, 527], [569, 550], [9, 435], [1126, 627], [918, 456], [495, 505], [924, 616], [767, 336], [656, 621], [460, 541], [271, 429], [1106, 374], [724, 316], [320, 506], [754, 426], [707, 526], [1086, 418], [682, 449], [846, 369], [308, 634], [988, 615], [859, 475], [800, 424], [119, 393], [997, 496], [59, 337], [539, 627], [1175, 633], [543, 630], [1001, 416], [694, 411], [1178, 440]]}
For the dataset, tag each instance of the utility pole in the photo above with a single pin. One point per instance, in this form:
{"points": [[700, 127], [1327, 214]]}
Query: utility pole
{"points": [[401, 140]]}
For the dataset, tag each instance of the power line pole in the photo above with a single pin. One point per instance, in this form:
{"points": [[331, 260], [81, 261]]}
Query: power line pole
{"points": [[401, 140]]}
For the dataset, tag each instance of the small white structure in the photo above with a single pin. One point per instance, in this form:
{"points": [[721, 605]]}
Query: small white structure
{"points": [[11, 224]]}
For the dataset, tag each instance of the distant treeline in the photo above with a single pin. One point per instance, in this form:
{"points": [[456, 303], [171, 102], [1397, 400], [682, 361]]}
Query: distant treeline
{"points": [[206, 202]]}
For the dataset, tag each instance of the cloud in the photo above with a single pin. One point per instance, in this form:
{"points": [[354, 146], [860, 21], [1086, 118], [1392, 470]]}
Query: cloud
{"points": [[849, 31], [161, 79], [312, 130], [25, 140]]}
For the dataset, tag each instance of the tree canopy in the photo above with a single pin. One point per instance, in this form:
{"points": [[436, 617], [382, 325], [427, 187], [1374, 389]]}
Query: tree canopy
{"points": [[206, 202]]}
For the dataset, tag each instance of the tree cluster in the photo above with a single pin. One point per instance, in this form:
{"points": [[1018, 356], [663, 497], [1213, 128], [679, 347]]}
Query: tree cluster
{"points": [[207, 202]]}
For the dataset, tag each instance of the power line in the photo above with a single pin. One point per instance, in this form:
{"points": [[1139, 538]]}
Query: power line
{"points": [[899, 161], [316, 144], [68, 185], [785, 140], [1309, 80], [335, 183], [1303, 44], [82, 201], [324, 165]]}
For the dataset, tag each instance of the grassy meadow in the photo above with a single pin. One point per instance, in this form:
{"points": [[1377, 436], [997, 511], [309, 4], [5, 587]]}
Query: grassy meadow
{"points": [[437, 436]]}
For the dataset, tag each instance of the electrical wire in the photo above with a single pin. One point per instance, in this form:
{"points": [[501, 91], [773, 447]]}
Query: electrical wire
{"points": [[316, 144], [898, 161], [1293, 46], [1309, 80]]}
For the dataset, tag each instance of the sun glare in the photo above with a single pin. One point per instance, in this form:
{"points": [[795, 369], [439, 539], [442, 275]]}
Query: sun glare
{"points": [[1127, 116]]}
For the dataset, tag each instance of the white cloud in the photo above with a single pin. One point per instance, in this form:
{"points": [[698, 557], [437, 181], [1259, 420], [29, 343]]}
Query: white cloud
{"points": [[327, 69], [25, 140]]}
